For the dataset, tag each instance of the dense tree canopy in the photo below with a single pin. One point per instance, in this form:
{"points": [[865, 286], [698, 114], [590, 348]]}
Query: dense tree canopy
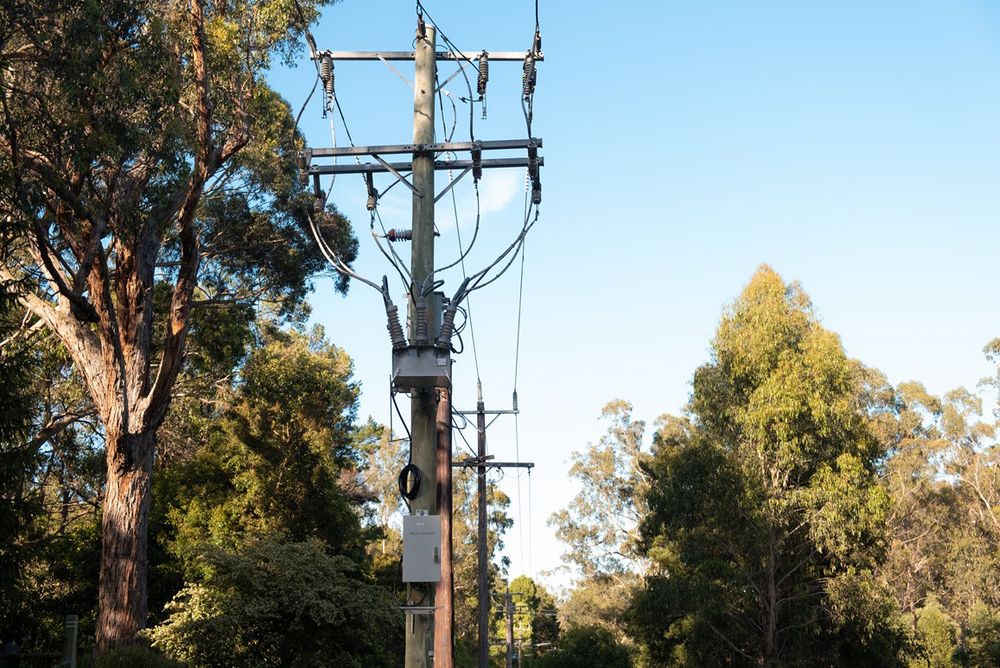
{"points": [[151, 173], [766, 518]]}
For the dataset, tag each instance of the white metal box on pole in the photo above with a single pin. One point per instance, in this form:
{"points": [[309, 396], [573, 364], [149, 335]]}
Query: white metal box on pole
{"points": [[421, 548]]}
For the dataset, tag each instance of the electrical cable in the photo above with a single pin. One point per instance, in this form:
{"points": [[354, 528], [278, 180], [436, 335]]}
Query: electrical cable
{"points": [[400, 414], [298, 116]]}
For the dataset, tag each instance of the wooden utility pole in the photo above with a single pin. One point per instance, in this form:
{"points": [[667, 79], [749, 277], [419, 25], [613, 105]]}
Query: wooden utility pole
{"points": [[429, 613], [509, 613], [484, 582], [444, 614], [423, 409]]}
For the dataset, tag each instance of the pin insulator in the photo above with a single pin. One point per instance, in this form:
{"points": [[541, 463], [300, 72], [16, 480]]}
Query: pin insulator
{"points": [[399, 235]]}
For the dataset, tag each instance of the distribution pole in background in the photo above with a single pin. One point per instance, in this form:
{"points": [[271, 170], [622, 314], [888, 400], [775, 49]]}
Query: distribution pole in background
{"points": [[423, 409], [484, 582]]}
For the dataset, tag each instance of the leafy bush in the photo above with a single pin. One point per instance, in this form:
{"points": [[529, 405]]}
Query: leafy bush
{"points": [[134, 656], [585, 647], [280, 604]]}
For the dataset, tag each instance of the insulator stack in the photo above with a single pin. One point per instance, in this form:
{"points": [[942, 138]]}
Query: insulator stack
{"points": [[447, 327], [399, 235], [514, 401], [529, 76], [395, 329], [484, 73], [327, 76]]}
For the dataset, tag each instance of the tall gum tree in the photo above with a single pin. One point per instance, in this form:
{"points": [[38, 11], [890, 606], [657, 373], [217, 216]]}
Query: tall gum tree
{"points": [[146, 158], [766, 521]]}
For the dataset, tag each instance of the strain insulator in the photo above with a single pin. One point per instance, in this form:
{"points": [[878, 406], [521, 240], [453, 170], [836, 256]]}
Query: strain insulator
{"points": [[420, 323], [395, 329], [399, 235], [447, 327], [327, 76], [514, 401], [372, 192], [528, 76], [536, 191], [484, 73], [536, 47], [477, 160]]}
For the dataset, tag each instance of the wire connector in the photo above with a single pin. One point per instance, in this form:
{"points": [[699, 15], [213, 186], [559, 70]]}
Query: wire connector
{"points": [[477, 160], [303, 160]]}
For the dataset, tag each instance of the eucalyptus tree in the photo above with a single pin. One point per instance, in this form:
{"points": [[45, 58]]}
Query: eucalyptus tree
{"points": [[766, 520], [151, 174]]}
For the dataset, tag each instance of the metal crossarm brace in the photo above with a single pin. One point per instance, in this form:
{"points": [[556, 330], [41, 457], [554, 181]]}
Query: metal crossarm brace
{"points": [[474, 463]]}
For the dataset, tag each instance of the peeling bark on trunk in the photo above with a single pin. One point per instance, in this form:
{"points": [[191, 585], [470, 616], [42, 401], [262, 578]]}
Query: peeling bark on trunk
{"points": [[124, 559]]}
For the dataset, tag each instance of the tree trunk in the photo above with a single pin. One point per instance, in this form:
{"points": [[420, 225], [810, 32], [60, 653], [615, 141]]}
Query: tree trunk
{"points": [[124, 527], [771, 606]]}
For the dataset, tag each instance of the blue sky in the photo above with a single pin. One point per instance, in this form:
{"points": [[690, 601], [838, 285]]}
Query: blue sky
{"points": [[853, 146]]}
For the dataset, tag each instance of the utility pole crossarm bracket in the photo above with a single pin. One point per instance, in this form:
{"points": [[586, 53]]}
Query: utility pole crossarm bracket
{"points": [[517, 56], [439, 165], [442, 147]]}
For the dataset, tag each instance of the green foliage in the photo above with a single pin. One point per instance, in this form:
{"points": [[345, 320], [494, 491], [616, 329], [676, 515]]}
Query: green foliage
{"points": [[535, 619], [585, 647], [271, 463], [766, 519], [17, 461], [600, 526], [981, 641], [137, 655], [280, 604], [938, 634], [600, 601]]}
